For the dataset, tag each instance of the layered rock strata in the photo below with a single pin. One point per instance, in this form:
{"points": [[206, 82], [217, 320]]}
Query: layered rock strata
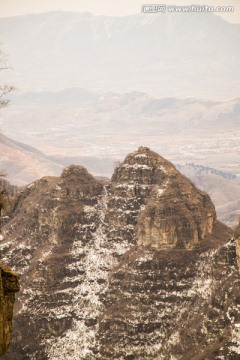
{"points": [[172, 304], [174, 213], [122, 270]]}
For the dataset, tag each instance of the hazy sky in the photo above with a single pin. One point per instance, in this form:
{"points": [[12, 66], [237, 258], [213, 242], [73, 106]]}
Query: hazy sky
{"points": [[105, 7]]}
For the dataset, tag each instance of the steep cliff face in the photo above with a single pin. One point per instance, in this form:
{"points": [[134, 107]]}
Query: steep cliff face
{"points": [[8, 286], [126, 270], [173, 212], [172, 304]]}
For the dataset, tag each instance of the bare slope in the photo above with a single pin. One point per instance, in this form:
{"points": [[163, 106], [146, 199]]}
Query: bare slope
{"points": [[23, 163]]}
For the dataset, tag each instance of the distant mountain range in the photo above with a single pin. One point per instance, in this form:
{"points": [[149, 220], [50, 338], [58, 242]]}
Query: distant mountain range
{"points": [[187, 54], [76, 122]]}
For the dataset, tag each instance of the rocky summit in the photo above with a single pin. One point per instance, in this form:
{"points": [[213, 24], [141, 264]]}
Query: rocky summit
{"points": [[134, 268]]}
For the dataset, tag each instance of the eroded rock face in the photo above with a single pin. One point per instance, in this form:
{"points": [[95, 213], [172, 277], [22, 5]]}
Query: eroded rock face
{"points": [[160, 207], [105, 268], [172, 304], [9, 284], [238, 252], [237, 237], [176, 213]]}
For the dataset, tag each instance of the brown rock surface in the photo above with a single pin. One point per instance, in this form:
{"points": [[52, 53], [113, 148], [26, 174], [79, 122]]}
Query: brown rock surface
{"points": [[124, 270], [174, 213], [171, 304], [8, 286], [237, 237]]}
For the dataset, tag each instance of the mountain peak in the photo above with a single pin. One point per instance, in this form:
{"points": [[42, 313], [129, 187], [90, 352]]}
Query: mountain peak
{"points": [[76, 171], [176, 213], [76, 182], [144, 166], [73, 240], [165, 207]]}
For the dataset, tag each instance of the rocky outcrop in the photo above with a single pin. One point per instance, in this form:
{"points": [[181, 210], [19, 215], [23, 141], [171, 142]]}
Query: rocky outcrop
{"points": [[8, 286], [237, 237], [132, 269], [167, 208]]}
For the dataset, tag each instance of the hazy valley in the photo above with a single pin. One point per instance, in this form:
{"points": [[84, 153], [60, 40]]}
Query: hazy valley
{"points": [[96, 130]]}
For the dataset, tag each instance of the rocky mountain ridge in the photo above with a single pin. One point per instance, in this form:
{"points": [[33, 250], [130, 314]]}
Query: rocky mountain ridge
{"points": [[25, 164], [111, 46], [136, 268]]}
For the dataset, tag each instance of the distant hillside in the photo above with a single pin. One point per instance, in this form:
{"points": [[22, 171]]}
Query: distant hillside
{"points": [[23, 164], [223, 187], [192, 169]]}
